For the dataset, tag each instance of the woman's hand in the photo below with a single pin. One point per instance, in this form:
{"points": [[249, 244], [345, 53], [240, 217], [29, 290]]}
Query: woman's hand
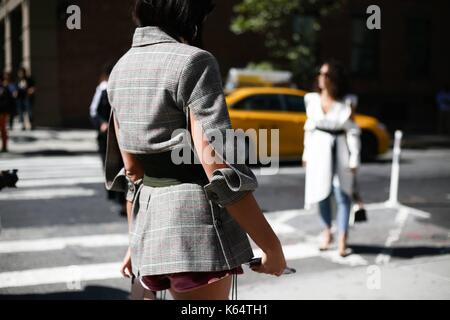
{"points": [[135, 173], [104, 127], [126, 269], [272, 262]]}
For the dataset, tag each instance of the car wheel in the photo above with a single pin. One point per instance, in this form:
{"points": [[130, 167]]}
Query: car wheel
{"points": [[369, 146]]}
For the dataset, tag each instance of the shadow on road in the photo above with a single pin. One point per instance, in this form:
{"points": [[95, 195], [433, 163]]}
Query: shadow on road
{"points": [[24, 139], [400, 252], [89, 293]]}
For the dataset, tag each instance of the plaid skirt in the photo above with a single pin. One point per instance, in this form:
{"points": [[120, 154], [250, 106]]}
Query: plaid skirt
{"points": [[176, 228]]}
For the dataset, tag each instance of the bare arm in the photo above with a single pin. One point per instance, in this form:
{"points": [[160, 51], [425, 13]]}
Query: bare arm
{"points": [[246, 211]]}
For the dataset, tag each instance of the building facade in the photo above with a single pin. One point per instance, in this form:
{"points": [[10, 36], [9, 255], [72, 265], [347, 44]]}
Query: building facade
{"points": [[396, 71]]}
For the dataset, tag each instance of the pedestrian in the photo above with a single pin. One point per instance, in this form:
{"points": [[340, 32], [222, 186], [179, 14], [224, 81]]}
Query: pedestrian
{"points": [[331, 150], [12, 87], [188, 221], [443, 104], [25, 98], [99, 112], [6, 106]]}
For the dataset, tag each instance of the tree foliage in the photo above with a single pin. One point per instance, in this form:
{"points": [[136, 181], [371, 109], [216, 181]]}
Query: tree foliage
{"points": [[289, 29]]}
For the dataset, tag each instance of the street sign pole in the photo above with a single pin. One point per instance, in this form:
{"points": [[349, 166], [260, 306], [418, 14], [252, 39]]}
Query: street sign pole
{"points": [[395, 173]]}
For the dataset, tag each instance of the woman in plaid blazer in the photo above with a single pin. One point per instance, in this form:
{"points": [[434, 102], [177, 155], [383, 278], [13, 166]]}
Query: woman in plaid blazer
{"points": [[187, 231]]}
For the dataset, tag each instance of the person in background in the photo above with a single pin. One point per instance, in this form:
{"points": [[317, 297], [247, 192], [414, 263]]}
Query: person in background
{"points": [[443, 104], [6, 105], [25, 97], [331, 150], [12, 87], [100, 110]]}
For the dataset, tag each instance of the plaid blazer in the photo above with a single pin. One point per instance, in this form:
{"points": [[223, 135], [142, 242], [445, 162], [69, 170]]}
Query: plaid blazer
{"points": [[152, 89]]}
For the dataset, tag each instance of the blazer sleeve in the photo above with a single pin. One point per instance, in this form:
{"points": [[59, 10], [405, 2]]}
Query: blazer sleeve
{"points": [[115, 175], [200, 91], [354, 142], [308, 128], [352, 101]]}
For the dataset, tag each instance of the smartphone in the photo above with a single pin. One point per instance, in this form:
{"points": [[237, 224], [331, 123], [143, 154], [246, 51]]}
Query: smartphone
{"points": [[257, 261]]}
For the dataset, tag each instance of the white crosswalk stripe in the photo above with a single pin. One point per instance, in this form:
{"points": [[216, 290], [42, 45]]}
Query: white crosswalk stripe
{"points": [[52, 193], [67, 274], [49, 171], [39, 245]]}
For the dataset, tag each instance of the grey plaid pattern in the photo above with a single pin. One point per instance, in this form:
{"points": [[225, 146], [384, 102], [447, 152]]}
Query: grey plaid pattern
{"points": [[152, 90], [177, 230]]}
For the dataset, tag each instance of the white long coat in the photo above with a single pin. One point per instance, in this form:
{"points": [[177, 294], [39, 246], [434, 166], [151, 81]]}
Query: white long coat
{"points": [[318, 148]]}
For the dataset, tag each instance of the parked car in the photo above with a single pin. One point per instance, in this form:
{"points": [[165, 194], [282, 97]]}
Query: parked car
{"points": [[284, 109]]}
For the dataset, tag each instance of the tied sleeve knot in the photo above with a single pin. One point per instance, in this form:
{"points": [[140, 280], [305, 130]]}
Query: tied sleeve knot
{"points": [[229, 185]]}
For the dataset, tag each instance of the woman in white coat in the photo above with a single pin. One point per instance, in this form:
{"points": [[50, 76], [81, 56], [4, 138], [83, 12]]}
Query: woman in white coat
{"points": [[331, 150]]}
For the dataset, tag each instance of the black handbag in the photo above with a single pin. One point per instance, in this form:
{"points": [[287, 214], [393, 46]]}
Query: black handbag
{"points": [[360, 214]]}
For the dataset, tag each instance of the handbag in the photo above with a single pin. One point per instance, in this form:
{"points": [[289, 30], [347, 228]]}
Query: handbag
{"points": [[360, 213]]}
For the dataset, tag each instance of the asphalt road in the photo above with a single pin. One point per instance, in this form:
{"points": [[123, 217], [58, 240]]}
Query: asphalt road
{"points": [[60, 239]]}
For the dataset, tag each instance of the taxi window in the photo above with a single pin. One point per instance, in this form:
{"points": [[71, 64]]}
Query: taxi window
{"points": [[295, 103], [261, 102]]}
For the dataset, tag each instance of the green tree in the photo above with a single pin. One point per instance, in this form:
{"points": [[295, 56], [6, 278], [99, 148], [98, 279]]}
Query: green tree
{"points": [[289, 29]]}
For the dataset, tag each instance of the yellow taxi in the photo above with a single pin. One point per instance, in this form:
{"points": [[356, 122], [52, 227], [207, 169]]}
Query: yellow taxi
{"points": [[284, 109]]}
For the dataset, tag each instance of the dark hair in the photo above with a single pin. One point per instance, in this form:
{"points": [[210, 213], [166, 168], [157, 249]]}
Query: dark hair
{"points": [[178, 18], [108, 67], [337, 79]]}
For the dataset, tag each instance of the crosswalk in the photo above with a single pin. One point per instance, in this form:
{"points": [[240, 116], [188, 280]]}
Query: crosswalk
{"points": [[42, 171], [78, 179]]}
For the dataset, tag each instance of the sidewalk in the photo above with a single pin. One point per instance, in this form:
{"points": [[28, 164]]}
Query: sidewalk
{"points": [[427, 278]]}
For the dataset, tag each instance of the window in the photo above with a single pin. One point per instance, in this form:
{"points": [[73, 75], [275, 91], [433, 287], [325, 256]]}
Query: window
{"points": [[261, 102], [365, 49], [294, 103], [418, 35]]}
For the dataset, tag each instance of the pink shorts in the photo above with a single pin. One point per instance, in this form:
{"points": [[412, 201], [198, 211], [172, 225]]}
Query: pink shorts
{"points": [[185, 281]]}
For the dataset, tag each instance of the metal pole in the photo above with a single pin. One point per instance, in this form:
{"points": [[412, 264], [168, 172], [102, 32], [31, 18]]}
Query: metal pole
{"points": [[26, 38], [8, 44], [395, 173]]}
